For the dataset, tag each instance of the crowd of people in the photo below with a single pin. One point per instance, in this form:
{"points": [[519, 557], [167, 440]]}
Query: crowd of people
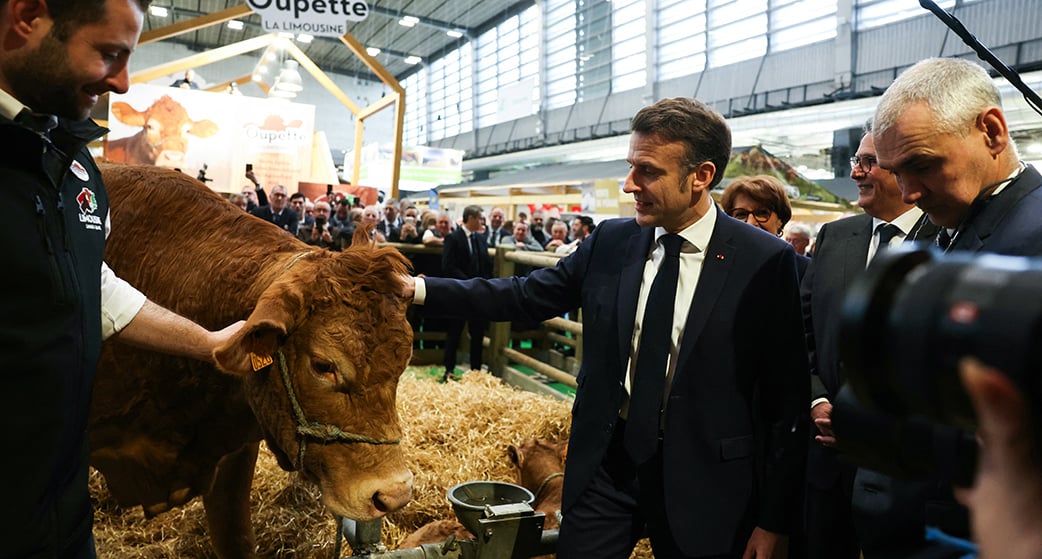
{"points": [[703, 416]]}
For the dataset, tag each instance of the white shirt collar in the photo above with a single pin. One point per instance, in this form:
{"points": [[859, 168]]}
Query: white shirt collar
{"points": [[9, 106], [697, 234], [905, 222]]}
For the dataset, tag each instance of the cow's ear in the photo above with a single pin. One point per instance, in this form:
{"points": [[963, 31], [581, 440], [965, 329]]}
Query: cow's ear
{"points": [[252, 349], [516, 456], [127, 115], [204, 128]]}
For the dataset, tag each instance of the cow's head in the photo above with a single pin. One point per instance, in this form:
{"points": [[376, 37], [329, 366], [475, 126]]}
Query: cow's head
{"points": [[537, 460], [165, 126], [345, 341]]}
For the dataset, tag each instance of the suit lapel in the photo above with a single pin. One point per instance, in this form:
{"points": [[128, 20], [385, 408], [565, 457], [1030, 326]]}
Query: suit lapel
{"points": [[635, 256], [717, 264], [923, 231], [855, 249]]}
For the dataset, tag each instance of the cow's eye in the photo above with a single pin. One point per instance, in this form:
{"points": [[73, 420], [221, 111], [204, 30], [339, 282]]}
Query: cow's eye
{"points": [[325, 370]]}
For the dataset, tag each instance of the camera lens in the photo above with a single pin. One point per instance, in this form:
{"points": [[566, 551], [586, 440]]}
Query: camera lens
{"points": [[914, 314]]}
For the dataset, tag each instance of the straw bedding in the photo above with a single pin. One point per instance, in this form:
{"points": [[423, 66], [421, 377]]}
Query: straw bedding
{"points": [[453, 433]]}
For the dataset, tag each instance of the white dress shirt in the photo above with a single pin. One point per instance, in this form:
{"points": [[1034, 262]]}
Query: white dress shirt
{"points": [[692, 255]]}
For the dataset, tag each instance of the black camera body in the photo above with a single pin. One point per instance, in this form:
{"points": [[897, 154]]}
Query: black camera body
{"points": [[320, 222], [907, 322]]}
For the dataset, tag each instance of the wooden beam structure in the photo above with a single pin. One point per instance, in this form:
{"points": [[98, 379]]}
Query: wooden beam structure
{"points": [[396, 98]]}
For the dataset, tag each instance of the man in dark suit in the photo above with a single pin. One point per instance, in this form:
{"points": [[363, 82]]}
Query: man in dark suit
{"points": [[940, 129], [465, 255], [278, 211], [842, 251], [495, 230], [962, 169], [696, 436]]}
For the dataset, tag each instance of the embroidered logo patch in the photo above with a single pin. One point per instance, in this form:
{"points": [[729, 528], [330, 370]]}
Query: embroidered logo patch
{"points": [[88, 204], [79, 170]]}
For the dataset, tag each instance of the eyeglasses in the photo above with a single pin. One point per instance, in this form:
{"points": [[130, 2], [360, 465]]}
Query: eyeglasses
{"points": [[741, 214], [864, 163]]}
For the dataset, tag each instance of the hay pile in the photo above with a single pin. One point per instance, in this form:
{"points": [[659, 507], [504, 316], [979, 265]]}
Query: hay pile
{"points": [[453, 433]]}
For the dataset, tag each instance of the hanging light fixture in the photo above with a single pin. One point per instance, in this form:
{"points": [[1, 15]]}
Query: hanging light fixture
{"points": [[288, 82]]}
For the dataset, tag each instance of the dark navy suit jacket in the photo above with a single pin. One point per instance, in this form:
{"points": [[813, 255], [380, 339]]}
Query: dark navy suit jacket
{"points": [[287, 220], [734, 440], [1009, 223]]}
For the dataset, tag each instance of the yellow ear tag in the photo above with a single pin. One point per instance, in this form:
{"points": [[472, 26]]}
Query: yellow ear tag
{"points": [[260, 361]]}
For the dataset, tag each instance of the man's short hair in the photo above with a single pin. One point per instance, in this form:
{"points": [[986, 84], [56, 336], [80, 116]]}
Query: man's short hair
{"points": [[703, 131], [471, 210], [587, 222], [955, 90], [70, 15], [295, 196], [344, 202], [800, 229]]}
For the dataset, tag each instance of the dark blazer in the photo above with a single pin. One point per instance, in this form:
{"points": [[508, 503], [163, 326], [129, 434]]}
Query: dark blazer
{"points": [[287, 220], [734, 437], [492, 237], [840, 254], [890, 512], [456, 260], [1009, 223]]}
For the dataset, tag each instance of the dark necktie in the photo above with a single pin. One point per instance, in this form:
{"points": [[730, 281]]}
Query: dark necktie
{"points": [[944, 239], [475, 267], [642, 425], [886, 232]]}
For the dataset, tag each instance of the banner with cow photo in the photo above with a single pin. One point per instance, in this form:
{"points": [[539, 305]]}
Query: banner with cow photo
{"points": [[212, 136]]}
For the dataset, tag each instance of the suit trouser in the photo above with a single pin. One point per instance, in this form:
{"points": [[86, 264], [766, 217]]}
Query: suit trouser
{"points": [[622, 504], [476, 329], [829, 526]]}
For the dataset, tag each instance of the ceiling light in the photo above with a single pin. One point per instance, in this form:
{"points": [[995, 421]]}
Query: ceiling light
{"points": [[305, 38], [373, 51], [235, 24], [257, 77], [409, 21], [285, 35], [281, 93], [158, 11], [454, 34], [412, 59], [289, 78]]}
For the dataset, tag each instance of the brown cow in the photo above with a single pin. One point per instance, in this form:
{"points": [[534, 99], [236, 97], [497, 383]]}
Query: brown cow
{"points": [[540, 465], [164, 430], [161, 140]]}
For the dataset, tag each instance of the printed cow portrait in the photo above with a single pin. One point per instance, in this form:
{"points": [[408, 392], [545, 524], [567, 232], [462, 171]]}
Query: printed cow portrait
{"points": [[164, 135]]}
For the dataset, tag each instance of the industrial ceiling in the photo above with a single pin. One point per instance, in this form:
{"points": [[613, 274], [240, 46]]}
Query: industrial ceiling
{"points": [[439, 26]]}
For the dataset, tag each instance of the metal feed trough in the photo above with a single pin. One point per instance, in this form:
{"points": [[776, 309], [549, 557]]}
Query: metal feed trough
{"points": [[498, 513]]}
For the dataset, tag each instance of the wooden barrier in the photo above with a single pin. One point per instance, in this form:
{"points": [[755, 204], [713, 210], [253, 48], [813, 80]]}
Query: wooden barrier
{"points": [[554, 330]]}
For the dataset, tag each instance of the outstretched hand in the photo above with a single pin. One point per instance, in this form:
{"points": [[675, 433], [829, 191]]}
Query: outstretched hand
{"points": [[406, 286]]}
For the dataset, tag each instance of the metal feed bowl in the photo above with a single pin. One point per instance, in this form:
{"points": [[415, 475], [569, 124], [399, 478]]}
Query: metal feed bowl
{"points": [[470, 499]]}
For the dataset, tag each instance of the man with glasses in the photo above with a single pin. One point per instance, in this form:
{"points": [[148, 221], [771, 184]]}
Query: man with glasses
{"points": [[277, 211], [842, 251], [680, 430]]}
